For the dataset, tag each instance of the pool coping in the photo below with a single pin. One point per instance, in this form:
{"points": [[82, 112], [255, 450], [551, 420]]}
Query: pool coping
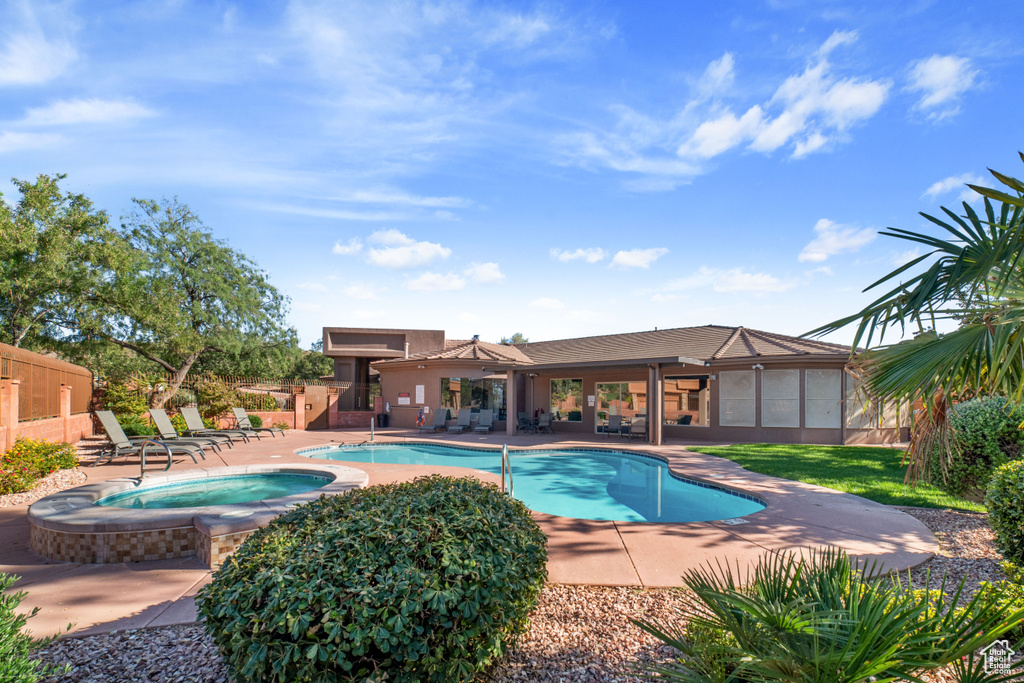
{"points": [[70, 527]]}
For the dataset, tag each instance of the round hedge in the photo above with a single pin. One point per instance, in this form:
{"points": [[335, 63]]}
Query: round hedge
{"points": [[1005, 503], [428, 580], [985, 436]]}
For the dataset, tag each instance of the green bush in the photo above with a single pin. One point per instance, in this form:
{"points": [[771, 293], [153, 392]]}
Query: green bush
{"points": [[252, 401], [136, 425], [214, 396], [29, 460], [123, 399], [282, 425], [16, 648], [985, 435], [428, 580], [256, 421], [1005, 503], [813, 617], [1009, 594]]}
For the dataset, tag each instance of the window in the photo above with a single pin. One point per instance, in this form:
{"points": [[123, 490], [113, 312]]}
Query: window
{"points": [[478, 394], [780, 398], [861, 409], [685, 400], [823, 399], [628, 399], [567, 400], [736, 395]]}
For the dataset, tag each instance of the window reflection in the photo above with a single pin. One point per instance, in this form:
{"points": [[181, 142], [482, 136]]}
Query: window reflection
{"points": [[478, 394], [686, 399], [567, 400]]}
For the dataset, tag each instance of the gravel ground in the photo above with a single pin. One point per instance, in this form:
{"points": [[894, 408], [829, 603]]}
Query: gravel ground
{"points": [[60, 480], [578, 633]]}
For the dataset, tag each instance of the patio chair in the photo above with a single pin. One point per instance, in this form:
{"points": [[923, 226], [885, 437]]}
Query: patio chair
{"points": [[120, 444], [544, 422], [243, 423], [462, 421], [638, 428], [614, 425], [485, 422], [525, 423], [440, 421], [685, 419], [195, 427], [165, 428]]}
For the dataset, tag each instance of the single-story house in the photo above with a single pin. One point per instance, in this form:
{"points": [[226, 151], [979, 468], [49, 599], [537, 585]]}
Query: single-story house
{"points": [[709, 383]]}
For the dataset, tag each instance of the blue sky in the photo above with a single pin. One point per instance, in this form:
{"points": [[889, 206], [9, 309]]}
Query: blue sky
{"points": [[558, 169]]}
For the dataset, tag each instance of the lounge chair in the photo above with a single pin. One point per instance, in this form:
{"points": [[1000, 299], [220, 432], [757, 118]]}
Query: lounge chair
{"points": [[243, 423], [165, 428], [614, 425], [120, 444], [685, 419], [638, 428], [544, 422], [440, 421], [195, 427], [485, 422], [462, 421]]}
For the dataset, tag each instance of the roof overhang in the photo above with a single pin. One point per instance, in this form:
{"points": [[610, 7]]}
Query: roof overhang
{"points": [[622, 362]]}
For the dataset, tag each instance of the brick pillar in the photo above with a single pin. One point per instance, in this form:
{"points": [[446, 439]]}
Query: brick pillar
{"points": [[65, 410], [9, 407], [511, 401], [332, 411], [300, 411]]}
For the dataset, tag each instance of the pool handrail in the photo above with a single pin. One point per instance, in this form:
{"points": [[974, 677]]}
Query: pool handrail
{"points": [[506, 465], [142, 456]]}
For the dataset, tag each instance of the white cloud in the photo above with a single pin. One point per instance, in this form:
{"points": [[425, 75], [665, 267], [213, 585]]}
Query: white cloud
{"points": [[401, 251], [638, 258], [12, 142], [718, 77], [547, 304], [906, 256], [353, 246], [941, 80], [68, 112], [835, 40], [394, 197], [360, 291], [955, 182], [832, 238], [436, 282], [36, 45], [484, 273], [517, 30], [733, 280], [590, 255], [312, 286], [723, 133]]}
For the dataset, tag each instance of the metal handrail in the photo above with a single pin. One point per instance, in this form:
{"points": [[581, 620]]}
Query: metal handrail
{"points": [[506, 466], [142, 455]]}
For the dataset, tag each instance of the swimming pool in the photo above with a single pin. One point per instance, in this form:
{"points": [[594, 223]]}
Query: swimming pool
{"points": [[581, 483], [227, 490]]}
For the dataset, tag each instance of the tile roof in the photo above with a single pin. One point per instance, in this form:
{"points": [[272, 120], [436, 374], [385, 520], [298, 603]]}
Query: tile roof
{"points": [[707, 343], [473, 349]]}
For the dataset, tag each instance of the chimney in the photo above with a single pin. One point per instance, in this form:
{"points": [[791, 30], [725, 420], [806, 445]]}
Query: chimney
{"points": [[476, 337], [406, 349]]}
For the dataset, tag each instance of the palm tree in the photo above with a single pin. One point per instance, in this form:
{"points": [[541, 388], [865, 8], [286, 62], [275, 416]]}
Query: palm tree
{"points": [[974, 277]]}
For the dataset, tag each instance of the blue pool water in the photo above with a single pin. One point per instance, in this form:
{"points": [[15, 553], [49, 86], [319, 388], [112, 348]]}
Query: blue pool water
{"points": [[239, 488], [585, 484]]}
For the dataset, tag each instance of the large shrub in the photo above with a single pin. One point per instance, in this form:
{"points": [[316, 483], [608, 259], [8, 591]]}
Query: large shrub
{"points": [[428, 580], [17, 647], [29, 460], [813, 617], [256, 401], [214, 396], [125, 399], [1005, 503], [985, 435]]}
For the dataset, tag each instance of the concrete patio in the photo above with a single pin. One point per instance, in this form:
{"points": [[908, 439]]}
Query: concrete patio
{"points": [[98, 598]]}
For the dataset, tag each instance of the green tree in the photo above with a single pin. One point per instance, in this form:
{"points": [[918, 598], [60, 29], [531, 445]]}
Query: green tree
{"points": [[53, 246], [517, 338], [183, 294], [974, 276]]}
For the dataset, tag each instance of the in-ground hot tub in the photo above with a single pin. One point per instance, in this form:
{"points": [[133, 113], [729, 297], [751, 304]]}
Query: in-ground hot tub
{"points": [[74, 526]]}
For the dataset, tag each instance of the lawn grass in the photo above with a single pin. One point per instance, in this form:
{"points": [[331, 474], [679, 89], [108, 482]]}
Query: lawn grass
{"points": [[872, 472]]}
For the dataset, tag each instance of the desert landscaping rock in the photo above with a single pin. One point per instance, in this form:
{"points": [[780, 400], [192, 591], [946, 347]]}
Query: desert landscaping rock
{"points": [[578, 633]]}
